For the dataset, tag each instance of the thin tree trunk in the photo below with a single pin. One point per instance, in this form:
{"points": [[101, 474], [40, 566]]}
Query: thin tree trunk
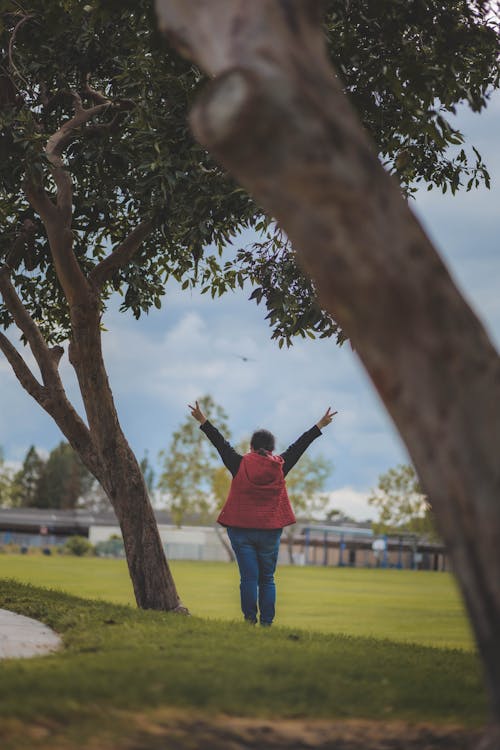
{"points": [[289, 544], [276, 117], [222, 539]]}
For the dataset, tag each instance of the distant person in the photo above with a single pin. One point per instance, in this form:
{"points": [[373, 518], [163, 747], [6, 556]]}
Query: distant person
{"points": [[257, 509]]}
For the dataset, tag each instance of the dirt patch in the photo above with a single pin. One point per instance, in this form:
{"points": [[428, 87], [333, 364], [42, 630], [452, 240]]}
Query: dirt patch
{"points": [[167, 729], [229, 733]]}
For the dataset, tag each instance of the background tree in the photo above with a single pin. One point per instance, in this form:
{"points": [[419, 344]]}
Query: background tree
{"points": [[95, 499], [28, 478], [148, 473], [307, 159], [305, 485], [401, 504], [188, 466], [64, 479], [60, 481], [8, 494], [335, 515]]}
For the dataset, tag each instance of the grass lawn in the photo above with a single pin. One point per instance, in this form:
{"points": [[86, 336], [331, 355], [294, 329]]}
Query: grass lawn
{"points": [[412, 606], [120, 663]]}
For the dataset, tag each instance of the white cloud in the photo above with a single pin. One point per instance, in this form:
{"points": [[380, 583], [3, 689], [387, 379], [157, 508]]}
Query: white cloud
{"points": [[353, 503]]}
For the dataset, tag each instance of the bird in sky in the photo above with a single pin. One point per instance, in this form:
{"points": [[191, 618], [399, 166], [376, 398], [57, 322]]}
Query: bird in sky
{"points": [[243, 358]]}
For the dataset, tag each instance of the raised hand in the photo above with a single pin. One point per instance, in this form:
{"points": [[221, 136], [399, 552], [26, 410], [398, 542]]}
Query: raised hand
{"points": [[326, 418], [197, 413]]}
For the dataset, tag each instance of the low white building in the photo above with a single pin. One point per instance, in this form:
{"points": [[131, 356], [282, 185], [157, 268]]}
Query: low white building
{"points": [[184, 543]]}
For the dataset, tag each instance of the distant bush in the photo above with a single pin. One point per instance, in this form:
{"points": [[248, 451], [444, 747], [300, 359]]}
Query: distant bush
{"points": [[113, 547], [79, 546]]}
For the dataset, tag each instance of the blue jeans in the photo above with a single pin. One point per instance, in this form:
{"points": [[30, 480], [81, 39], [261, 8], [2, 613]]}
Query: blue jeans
{"points": [[256, 552]]}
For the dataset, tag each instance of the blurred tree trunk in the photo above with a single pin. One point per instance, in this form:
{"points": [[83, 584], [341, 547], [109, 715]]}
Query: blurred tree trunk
{"points": [[276, 117], [223, 540]]}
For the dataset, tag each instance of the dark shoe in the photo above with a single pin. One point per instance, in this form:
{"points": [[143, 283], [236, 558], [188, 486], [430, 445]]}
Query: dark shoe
{"points": [[250, 620]]}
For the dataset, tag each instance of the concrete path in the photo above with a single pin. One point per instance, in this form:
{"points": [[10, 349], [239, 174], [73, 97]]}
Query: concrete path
{"points": [[21, 636]]}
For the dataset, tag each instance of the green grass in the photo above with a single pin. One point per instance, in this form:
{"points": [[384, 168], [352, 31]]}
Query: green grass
{"points": [[349, 644], [399, 605], [120, 658]]}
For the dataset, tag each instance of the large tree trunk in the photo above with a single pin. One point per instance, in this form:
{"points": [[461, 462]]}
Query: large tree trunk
{"points": [[276, 117]]}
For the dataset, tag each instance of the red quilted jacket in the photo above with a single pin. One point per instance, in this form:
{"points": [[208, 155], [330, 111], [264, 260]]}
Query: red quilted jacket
{"points": [[258, 498]]}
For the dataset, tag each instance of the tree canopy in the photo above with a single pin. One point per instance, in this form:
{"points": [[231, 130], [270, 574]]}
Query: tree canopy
{"points": [[60, 481], [136, 168], [401, 503], [131, 158]]}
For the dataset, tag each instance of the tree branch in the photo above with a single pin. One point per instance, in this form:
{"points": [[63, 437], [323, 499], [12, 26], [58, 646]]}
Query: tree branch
{"points": [[12, 39], [51, 395], [58, 227], [96, 96], [55, 147], [42, 353], [121, 255], [22, 371], [55, 403], [40, 201], [57, 218], [25, 238]]}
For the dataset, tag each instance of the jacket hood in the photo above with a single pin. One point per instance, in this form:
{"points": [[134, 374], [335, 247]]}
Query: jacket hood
{"points": [[262, 470]]}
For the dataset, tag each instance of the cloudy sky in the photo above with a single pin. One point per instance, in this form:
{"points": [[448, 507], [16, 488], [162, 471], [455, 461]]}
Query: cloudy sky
{"points": [[194, 346]]}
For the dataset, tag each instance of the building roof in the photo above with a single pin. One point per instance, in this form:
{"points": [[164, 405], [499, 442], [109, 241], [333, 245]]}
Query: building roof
{"points": [[31, 520]]}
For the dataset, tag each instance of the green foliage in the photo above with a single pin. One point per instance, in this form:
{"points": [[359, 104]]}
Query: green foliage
{"points": [[134, 161], [289, 296], [188, 465], [64, 479], [28, 478], [401, 503], [79, 546], [405, 65], [8, 493], [305, 483], [220, 482], [58, 482]]}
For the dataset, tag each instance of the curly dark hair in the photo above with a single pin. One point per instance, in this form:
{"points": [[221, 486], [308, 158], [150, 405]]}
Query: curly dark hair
{"points": [[262, 441]]}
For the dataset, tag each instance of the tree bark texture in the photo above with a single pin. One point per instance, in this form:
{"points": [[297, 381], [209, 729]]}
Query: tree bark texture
{"points": [[276, 117]]}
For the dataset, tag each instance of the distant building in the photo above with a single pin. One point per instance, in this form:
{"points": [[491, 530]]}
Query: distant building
{"points": [[341, 545]]}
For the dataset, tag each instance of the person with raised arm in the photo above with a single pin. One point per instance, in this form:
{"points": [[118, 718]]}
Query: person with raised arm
{"points": [[257, 508]]}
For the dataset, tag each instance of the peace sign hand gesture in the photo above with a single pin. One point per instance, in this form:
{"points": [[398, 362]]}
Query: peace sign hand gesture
{"points": [[197, 413], [326, 418]]}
